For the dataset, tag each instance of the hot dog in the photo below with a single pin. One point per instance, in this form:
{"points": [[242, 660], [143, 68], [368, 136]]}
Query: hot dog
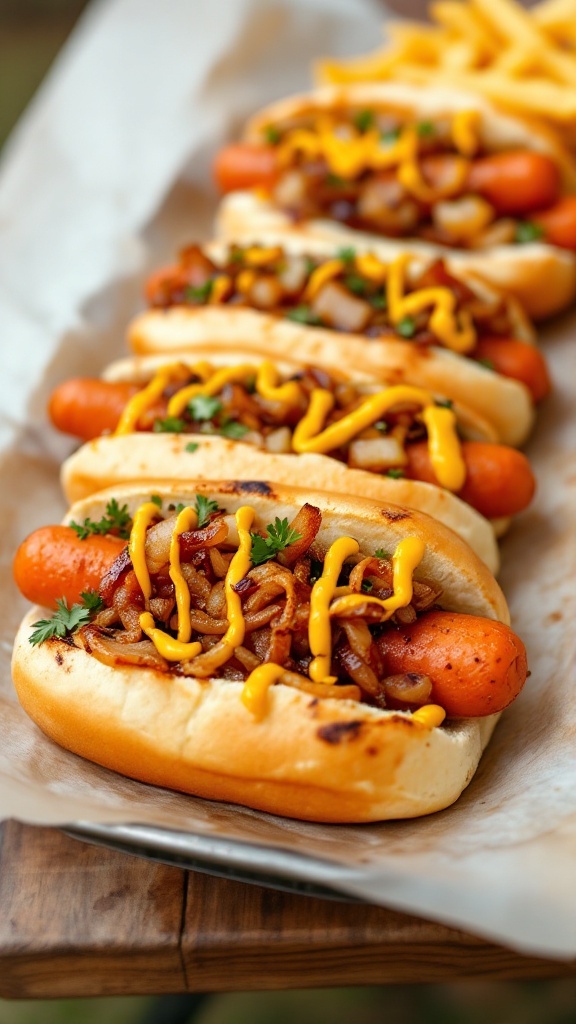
{"points": [[299, 420], [244, 647], [410, 318], [376, 165]]}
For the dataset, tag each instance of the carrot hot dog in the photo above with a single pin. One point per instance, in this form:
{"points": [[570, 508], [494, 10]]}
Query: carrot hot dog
{"points": [[235, 402], [390, 162], [268, 616], [418, 320]]}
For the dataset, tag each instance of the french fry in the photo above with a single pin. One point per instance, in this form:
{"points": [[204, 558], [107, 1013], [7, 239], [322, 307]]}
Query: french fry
{"points": [[523, 60]]}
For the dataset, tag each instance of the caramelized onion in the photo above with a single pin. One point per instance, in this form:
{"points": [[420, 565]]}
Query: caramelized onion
{"points": [[112, 652], [307, 523]]}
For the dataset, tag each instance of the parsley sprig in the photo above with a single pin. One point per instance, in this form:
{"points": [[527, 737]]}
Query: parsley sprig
{"points": [[117, 520], [204, 507], [65, 620], [280, 536]]}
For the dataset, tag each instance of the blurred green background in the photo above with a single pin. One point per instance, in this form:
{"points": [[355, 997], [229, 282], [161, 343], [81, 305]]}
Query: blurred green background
{"points": [[31, 34]]}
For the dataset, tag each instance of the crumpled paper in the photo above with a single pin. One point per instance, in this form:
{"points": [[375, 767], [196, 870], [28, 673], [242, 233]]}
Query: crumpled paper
{"points": [[105, 177]]}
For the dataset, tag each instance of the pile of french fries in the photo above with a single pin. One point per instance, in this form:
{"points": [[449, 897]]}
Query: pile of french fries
{"points": [[522, 60]]}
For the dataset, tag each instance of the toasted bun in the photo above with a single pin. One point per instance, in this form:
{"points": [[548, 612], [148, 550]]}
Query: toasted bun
{"points": [[112, 461], [504, 403], [541, 276], [327, 760]]}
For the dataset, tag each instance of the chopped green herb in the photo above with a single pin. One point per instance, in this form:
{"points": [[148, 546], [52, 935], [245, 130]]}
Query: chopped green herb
{"points": [[355, 284], [367, 586], [444, 403], [64, 621], [303, 315], [406, 327], [201, 293], [204, 407], [379, 300], [91, 600], [364, 120], [390, 135], [347, 255], [310, 265], [170, 425], [487, 363], [116, 519], [177, 508], [280, 535], [156, 499], [382, 426], [381, 553], [528, 231], [233, 429], [396, 474], [335, 180], [272, 135], [425, 129], [204, 509], [192, 446]]}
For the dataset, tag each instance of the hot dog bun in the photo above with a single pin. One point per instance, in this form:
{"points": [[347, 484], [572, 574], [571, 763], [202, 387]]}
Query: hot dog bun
{"points": [[542, 276], [504, 403], [111, 460], [321, 760]]}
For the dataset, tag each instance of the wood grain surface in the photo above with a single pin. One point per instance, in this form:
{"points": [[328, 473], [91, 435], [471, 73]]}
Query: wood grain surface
{"points": [[79, 920]]}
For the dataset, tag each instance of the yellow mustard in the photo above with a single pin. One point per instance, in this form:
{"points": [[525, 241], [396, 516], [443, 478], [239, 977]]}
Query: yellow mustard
{"points": [[406, 558], [430, 716], [460, 337], [257, 685], [319, 631], [445, 450]]}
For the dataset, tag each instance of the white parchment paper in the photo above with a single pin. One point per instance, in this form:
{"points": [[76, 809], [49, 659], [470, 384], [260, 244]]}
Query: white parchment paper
{"points": [[106, 176]]}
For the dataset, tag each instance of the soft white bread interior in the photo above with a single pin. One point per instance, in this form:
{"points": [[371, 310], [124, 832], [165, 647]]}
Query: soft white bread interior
{"points": [[320, 760]]}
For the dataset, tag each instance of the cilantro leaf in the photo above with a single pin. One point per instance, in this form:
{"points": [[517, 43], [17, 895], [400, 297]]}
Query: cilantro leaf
{"points": [[347, 255], [364, 120], [201, 293], [527, 231], [192, 446], [425, 129], [64, 621], [396, 474], [486, 363], [204, 509], [381, 553], [303, 315], [169, 425], [355, 284], [444, 403], [233, 429], [117, 518], [272, 135], [280, 536], [406, 327], [379, 300], [91, 600], [204, 407], [156, 499]]}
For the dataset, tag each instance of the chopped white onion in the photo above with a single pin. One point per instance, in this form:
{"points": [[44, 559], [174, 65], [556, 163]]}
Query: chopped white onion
{"points": [[279, 440], [376, 453]]}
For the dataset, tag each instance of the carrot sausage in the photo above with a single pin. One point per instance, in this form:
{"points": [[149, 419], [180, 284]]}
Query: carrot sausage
{"points": [[477, 666], [518, 360], [53, 562], [559, 223], [244, 165], [516, 181], [87, 407], [499, 480]]}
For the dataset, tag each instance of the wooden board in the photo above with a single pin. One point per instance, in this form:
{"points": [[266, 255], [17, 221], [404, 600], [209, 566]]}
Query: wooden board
{"points": [[78, 920]]}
